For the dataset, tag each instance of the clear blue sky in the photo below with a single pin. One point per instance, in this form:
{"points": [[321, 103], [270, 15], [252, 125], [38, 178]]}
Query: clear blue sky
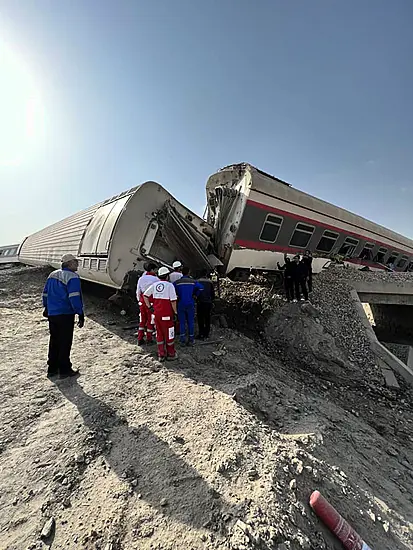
{"points": [[316, 92]]}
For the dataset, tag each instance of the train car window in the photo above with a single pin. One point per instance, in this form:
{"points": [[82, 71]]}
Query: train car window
{"points": [[327, 241], [271, 228], [410, 268], [379, 257], [102, 265], [302, 234], [86, 263], [402, 262], [348, 247], [393, 257], [367, 252]]}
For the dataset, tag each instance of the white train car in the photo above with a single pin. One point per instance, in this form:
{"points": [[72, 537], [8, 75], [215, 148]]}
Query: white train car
{"points": [[114, 238], [257, 218], [9, 254]]}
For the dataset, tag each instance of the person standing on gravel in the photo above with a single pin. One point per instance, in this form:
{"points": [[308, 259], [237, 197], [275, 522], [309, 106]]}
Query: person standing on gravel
{"points": [[308, 261], [300, 278], [164, 307], [145, 315], [187, 289], [205, 304], [62, 300], [289, 269]]}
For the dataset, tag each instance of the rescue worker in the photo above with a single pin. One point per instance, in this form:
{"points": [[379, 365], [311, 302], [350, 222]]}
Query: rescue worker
{"points": [[176, 273], [300, 278], [289, 269], [205, 304], [186, 290], [145, 315], [62, 300], [308, 261], [163, 295]]}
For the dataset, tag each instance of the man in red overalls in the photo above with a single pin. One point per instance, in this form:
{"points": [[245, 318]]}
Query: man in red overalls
{"points": [[145, 317], [164, 306]]}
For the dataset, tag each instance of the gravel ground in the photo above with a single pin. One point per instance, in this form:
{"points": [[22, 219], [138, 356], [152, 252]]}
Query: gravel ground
{"points": [[220, 449]]}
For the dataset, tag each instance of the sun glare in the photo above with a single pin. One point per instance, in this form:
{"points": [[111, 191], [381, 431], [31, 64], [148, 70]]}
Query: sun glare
{"points": [[21, 112]]}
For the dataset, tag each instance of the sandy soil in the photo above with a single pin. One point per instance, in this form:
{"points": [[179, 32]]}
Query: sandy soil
{"points": [[220, 449]]}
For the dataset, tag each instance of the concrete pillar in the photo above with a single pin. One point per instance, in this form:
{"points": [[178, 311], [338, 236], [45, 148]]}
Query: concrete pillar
{"points": [[410, 358]]}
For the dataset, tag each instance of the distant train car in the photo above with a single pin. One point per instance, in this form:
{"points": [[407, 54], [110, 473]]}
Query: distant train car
{"points": [[114, 238], [9, 254], [257, 218]]}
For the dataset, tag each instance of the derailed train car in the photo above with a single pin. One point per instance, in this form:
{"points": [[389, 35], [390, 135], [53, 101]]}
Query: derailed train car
{"points": [[253, 219], [257, 218], [114, 238], [9, 254]]}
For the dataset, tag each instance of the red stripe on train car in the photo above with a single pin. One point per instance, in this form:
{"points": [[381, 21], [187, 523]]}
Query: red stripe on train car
{"points": [[317, 223]]}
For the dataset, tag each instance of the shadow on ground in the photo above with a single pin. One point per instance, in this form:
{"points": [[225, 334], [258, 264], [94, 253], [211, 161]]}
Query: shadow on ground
{"points": [[164, 480]]}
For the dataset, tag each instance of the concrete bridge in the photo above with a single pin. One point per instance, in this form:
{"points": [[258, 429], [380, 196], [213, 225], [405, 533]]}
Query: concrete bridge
{"points": [[391, 304]]}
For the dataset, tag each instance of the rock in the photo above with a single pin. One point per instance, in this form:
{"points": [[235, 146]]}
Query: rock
{"points": [[164, 502], [179, 439], [293, 484], [80, 458], [48, 528], [134, 482], [253, 474], [242, 525], [392, 452]]}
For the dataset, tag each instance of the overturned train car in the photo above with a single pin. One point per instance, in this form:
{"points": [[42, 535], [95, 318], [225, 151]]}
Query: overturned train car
{"points": [[257, 218], [253, 219], [114, 238]]}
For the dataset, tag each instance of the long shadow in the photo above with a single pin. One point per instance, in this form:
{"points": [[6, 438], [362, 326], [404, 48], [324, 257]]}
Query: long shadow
{"points": [[164, 480]]}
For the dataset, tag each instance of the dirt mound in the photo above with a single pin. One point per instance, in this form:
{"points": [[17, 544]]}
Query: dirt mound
{"points": [[219, 450]]}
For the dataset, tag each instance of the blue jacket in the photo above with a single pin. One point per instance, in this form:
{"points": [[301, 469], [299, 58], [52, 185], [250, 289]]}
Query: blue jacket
{"points": [[62, 294], [186, 290]]}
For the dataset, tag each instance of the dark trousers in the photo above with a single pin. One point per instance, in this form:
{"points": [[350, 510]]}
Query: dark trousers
{"points": [[204, 319], [289, 288], [300, 284], [61, 337]]}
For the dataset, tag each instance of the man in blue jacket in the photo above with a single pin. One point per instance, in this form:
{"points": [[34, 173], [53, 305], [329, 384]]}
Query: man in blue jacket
{"points": [[186, 290], [62, 300]]}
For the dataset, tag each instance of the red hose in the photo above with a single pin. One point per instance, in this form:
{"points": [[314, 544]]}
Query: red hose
{"points": [[337, 524]]}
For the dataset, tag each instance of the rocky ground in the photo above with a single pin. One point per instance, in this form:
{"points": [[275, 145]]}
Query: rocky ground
{"points": [[220, 449]]}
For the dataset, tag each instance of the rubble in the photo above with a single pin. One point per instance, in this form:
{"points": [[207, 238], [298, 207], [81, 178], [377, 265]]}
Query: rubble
{"points": [[213, 451]]}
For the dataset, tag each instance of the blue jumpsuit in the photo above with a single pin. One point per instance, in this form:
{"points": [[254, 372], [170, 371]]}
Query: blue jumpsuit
{"points": [[186, 290]]}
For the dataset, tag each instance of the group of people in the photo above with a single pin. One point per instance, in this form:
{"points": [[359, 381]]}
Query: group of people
{"points": [[167, 303], [298, 276]]}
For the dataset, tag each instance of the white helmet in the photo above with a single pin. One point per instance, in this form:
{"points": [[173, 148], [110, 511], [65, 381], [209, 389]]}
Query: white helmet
{"points": [[162, 271], [177, 264]]}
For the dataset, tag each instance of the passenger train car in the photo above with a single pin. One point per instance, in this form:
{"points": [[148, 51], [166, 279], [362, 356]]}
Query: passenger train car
{"points": [[114, 238], [252, 220], [257, 218], [9, 254]]}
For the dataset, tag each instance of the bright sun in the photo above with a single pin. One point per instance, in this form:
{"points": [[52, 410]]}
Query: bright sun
{"points": [[21, 112]]}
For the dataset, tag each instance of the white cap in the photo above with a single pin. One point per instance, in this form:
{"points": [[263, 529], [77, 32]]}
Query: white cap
{"points": [[177, 264], [163, 271], [68, 258]]}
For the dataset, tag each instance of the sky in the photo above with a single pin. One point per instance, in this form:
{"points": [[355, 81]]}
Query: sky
{"points": [[97, 96]]}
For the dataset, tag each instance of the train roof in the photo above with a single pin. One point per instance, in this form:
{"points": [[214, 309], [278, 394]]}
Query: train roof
{"points": [[9, 246]]}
